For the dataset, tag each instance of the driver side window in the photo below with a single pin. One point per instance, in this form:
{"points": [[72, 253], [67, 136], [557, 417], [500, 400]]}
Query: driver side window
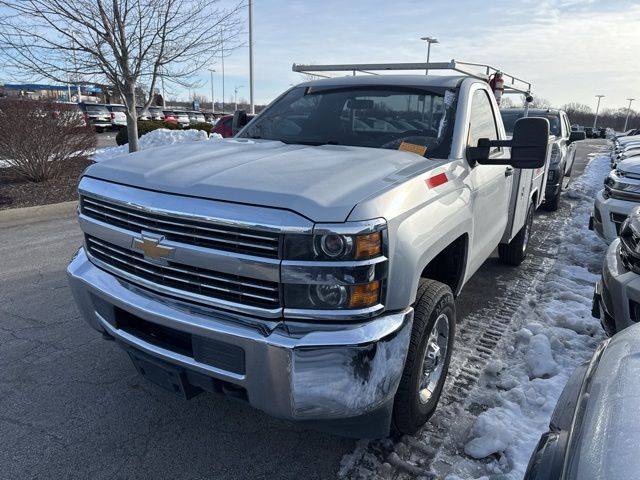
{"points": [[482, 122]]}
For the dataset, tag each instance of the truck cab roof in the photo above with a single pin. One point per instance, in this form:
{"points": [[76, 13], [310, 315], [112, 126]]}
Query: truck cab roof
{"points": [[418, 81]]}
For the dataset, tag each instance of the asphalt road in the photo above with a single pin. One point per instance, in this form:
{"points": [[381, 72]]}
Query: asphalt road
{"points": [[72, 405], [106, 139]]}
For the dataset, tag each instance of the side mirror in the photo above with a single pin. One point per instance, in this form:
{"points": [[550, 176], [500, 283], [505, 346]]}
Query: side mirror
{"points": [[239, 121], [576, 136], [528, 145]]}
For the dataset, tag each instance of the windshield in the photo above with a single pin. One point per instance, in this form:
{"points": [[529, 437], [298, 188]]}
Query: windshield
{"points": [[509, 119], [361, 116], [118, 108], [97, 109]]}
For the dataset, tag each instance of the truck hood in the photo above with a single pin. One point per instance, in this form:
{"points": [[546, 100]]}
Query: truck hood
{"points": [[630, 165], [323, 183]]}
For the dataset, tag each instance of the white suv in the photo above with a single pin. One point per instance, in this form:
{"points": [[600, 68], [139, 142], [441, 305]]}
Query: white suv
{"points": [[614, 203]]}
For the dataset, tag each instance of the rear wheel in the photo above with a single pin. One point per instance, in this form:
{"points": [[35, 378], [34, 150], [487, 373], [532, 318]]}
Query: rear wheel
{"points": [[428, 358], [514, 252], [552, 204]]}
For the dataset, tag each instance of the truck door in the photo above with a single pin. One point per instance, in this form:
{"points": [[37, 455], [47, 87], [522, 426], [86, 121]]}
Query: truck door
{"points": [[490, 184]]}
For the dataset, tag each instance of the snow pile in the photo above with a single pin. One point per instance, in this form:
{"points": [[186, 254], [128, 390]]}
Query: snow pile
{"points": [[156, 138], [557, 333]]}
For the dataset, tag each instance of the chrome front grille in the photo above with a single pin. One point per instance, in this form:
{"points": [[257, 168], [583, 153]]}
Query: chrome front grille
{"points": [[185, 230], [185, 278]]}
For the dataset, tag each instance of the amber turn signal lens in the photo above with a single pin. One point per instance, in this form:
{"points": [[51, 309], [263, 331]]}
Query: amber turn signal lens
{"points": [[368, 246], [365, 295]]}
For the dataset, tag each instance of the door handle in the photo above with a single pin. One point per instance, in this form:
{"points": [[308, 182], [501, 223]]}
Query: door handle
{"points": [[508, 171]]}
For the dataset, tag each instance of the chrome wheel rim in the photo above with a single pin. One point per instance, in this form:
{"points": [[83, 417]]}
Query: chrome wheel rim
{"points": [[434, 358]]}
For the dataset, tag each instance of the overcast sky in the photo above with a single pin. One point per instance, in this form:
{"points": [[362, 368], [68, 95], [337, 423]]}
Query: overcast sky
{"points": [[570, 49]]}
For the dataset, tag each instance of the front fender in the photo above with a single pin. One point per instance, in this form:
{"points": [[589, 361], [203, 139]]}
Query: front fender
{"points": [[422, 221]]}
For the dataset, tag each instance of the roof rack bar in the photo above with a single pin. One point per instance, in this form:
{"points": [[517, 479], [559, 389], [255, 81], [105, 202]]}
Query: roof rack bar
{"points": [[513, 84]]}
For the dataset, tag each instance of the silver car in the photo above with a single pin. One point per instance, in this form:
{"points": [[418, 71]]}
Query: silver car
{"points": [[594, 433], [617, 296]]}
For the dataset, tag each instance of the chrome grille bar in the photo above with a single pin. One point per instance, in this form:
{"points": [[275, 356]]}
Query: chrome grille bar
{"points": [[193, 232], [201, 281]]}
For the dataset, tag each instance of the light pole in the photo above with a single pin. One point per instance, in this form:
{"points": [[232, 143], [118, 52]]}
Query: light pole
{"points": [[235, 95], [252, 107], [213, 102], [429, 41], [595, 120], [626, 120], [75, 63], [222, 61], [164, 96]]}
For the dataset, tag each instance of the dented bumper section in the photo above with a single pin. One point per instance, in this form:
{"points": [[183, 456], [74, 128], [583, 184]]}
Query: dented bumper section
{"points": [[338, 377]]}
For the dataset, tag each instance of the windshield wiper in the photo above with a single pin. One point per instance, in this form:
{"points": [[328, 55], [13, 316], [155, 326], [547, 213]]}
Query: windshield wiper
{"points": [[309, 142]]}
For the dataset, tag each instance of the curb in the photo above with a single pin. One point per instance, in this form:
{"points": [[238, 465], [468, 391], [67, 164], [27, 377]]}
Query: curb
{"points": [[26, 215]]}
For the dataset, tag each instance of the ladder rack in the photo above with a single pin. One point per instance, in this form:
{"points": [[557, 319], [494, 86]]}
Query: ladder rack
{"points": [[512, 84]]}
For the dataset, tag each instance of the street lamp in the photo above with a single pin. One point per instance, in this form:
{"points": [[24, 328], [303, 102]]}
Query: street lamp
{"points": [[222, 62], [75, 63], [628, 112], [595, 120], [235, 95], [252, 107], [429, 41], [213, 102]]}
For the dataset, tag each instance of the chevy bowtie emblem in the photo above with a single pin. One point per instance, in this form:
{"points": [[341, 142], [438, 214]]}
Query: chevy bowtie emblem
{"points": [[151, 247]]}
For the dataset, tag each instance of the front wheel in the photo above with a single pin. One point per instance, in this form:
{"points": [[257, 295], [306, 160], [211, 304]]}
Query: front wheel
{"points": [[428, 358], [514, 252]]}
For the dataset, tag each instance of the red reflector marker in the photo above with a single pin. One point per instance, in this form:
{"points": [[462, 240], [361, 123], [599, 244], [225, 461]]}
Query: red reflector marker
{"points": [[436, 180]]}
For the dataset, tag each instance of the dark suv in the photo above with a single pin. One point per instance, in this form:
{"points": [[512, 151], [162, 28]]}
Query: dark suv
{"points": [[96, 115], [562, 154]]}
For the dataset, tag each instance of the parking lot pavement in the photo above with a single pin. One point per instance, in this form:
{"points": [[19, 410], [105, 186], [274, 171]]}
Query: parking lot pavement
{"points": [[72, 405]]}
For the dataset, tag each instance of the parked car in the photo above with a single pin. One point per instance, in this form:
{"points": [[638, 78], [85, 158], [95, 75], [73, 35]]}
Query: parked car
{"points": [[621, 194], [156, 113], [96, 115], [223, 126], [594, 433], [623, 148], [589, 131], [170, 117], [118, 116], [182, 118], [196, 117], [142, 113], [310, 267], [616, 300], [562, 150]]}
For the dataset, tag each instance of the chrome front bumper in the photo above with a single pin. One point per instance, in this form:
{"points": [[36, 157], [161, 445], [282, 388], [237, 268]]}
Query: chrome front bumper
{"points": [[294, 371], [616, 291]]}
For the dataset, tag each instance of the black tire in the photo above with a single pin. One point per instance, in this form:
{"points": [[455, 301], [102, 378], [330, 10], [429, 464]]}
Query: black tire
{"points": [[515, 252], [433, 301], [552, 204]]}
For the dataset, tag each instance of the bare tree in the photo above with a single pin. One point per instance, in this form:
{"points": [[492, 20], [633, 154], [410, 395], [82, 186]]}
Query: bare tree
{"points": [[539, 102], [122, 42], [39, 136]]}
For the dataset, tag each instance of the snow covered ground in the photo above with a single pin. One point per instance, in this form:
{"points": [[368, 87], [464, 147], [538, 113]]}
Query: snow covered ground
{"points": [[557, 332], [494, 432], [156, 138]]}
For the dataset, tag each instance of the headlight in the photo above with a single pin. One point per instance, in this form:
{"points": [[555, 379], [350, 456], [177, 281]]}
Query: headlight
{"points": [[332, 296], [333, 246], [335, 272], [616, 187]]}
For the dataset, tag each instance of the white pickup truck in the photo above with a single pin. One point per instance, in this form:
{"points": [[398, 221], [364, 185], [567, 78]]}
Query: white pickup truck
{"points": [[310, 264]]}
